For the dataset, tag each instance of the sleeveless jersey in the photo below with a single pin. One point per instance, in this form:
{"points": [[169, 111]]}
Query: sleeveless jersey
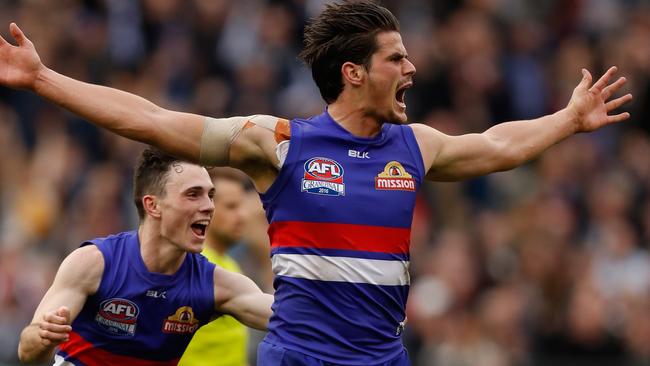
{"points": [[340, 213], [137, 317]]}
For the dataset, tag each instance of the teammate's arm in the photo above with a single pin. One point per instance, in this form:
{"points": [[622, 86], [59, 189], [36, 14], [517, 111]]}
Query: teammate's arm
{"points": [[78, 277], [508, 145], [239, 296]]}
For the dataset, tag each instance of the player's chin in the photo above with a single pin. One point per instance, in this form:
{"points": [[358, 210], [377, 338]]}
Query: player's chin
{"points": [[194, 247], [398, 117], [195, 243], [399, 113]]}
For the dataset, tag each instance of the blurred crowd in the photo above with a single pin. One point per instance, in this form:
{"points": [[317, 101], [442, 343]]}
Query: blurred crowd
{"points": [[547, 264]]}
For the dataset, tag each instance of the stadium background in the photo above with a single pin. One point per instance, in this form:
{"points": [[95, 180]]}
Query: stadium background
{"points": [[544, 265]]}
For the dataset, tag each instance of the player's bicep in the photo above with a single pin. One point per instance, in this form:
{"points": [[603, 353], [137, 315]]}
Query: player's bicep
{"points": [[239, 296], [464, 157], [78, 277], [176, 133], [450, 158]]}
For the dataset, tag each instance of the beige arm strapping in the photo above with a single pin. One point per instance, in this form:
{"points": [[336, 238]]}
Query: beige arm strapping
{"points": [[219, 134]]}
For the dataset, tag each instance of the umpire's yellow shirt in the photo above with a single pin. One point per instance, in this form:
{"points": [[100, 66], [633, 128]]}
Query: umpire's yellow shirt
{"points": [[221, 342]]}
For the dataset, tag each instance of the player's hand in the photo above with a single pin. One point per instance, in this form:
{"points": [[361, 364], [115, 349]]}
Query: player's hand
{"points": [[55, 327], [19, 65], [591, 105]]}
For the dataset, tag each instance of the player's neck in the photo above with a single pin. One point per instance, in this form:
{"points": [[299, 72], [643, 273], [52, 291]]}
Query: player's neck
{"points": [[353, 118], [158, 255]]}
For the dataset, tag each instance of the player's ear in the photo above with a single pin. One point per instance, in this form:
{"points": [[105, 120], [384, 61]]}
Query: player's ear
{"points": [[353, 73], [151, 205]]}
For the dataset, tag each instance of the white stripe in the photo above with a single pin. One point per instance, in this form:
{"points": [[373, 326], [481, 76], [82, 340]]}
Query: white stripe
{"points": [[342, 269], [60, 361]]}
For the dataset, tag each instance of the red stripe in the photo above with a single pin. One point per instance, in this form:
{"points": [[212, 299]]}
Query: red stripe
{"points": [[90, 355], [339, 236]]}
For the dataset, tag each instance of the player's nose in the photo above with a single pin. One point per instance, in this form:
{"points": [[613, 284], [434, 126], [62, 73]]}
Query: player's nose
{"points": [[409, 68], [207, 205]]}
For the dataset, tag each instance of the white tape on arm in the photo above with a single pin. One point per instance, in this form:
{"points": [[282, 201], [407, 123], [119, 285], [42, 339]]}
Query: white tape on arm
{"points": [[218, 135]]}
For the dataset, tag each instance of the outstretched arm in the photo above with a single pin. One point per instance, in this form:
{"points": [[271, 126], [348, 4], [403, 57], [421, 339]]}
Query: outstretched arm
{"points": [[123, 113], [239, 296], [508, 145], [78, 277]]}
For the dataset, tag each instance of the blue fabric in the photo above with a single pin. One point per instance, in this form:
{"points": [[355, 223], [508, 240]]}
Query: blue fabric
{"points": [[272, 355]]}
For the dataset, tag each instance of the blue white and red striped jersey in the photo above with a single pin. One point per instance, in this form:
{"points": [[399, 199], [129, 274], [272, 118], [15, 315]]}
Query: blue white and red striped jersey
{"points": [[340, 213], [138, 317]]}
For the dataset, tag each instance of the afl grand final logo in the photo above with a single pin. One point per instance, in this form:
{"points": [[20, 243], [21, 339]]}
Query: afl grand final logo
{"points": [[323, 176], [118, 316], [394, 178]]}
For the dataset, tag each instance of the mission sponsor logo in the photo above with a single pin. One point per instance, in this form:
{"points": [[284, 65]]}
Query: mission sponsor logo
{"points": [[181, 322], [323, 176], [118, 316], [394, 178]]}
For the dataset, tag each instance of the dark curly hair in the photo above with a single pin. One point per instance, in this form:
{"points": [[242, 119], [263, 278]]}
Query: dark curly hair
{"points": [[343, 32]]}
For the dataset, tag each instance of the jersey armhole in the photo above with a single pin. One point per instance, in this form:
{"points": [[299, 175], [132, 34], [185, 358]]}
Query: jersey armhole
{"points": [[289, 165], [414, 149], [107, 264]]}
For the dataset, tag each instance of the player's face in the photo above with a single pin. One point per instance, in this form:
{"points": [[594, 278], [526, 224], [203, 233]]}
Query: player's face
{"points": [[187, 207], [389, 75], [230, 210]]}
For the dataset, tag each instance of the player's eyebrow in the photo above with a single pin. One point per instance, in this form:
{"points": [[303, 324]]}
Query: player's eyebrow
{"points": [[397, 55]]}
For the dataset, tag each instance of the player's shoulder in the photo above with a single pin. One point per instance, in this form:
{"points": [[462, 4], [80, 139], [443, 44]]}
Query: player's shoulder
{"points": [[419, 127], [425, 132], [83, 268], [280, 127], [87, 259]]}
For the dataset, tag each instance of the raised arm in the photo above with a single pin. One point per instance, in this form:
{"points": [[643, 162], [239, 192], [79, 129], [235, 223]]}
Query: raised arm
{"points": [[120, 112], [239, 296], [78, 277], [246, 143], [508, 145]]}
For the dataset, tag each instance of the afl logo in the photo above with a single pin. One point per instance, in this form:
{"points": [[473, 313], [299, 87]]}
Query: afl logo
{"points": [[323, 169], [118, 316], [323, 176], [119, 310]]}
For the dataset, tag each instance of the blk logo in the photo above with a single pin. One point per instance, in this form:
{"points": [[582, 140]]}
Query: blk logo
{"points": [[157, 294], [358, 154]]}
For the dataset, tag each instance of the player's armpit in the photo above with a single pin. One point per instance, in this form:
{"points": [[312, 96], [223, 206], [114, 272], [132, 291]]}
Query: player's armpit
{"points": [[255, 149], [77, 278]]}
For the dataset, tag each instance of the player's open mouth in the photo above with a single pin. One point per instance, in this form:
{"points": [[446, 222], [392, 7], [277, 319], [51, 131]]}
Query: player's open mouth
{"points": [[199, 227], [401, 93]]}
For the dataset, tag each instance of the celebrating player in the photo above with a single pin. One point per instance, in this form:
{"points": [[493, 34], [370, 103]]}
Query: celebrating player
{"points": [[137, 298], [339, 188]]}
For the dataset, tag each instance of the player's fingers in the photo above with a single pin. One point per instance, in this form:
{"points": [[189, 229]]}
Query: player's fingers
{"points": [[618, 117], [64, 312], [613, 104], [3, 41], [613, 87], [56, 328], [53, 337], [52, 317], [18, 35], [586, 79], [602, 82]]}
